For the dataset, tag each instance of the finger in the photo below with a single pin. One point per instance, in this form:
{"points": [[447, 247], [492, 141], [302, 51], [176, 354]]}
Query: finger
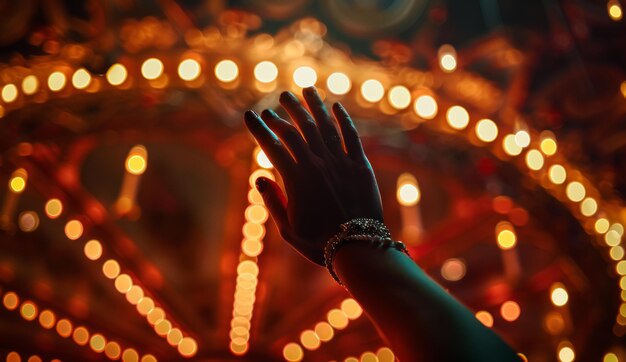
{"points": [[289, 134], [304, 121], [327, 129], [276, 202], [269, 142], [350, 135]]}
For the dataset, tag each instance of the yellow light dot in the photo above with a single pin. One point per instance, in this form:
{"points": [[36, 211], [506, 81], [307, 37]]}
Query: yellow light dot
{"points": [[136, 162], [64, 328], [453, 269], [174, 336], [292, 352], [351, 359], [28, 310], [148, 358], [134, 294], [615, 10], [619, 228], [399, 97], [510, 146], [266, 72], [81, 336], [113, 350], [351, 308], [73, 229], [601, 226], [117, 74], [425, 106], [155, 315], [522, 138], [588, 207], [575, 191], [447, 63], [310, 340], [610, 357], [17, 184], [10, 300], [324, 331], [163, 327], [54, 208], [30, 84], [506, 239], [534, 160], [616, 252], [408, 194], [9, 93], [238, 347], [337, 318], [28, 221], [93, 249], [253, 230], [123, 283], [338, 83], [385, 354], [557, 174], [130, 355], [486, 130], [187, 347], [56, 81], [566, 354], [189, 69], [485, 318], [548, 146], [372, 90], [47, 319], [612, 238], [226, 70], [559, 295], [510, 311], [457, 117], [111, 269], [249, 267], [304, 76], [252, 247], [152, 68], [620, 268], [81, 79], [256, 213], [145, 305], [262, 160]]}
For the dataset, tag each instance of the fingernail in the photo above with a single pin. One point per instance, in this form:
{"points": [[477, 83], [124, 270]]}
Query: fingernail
{"points": [[261, 184], [271, 111], [288, 95], [250, 114], [339, 106]]}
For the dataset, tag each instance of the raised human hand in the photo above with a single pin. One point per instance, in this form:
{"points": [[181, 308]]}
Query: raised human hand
{"points": [[327, 177]]}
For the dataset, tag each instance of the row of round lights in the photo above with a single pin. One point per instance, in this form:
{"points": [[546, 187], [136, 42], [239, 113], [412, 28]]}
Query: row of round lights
{"points": [[13, 356], [253, 231], [64, 327], [383, 354], [324, 331]]}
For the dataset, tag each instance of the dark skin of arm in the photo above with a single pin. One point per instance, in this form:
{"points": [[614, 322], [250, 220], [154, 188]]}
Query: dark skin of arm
{"points": [[328, 181]]}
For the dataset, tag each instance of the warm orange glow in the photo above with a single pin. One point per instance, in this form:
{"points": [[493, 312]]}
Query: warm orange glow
{"points": [[73, 229], [28, 310], [338, 83], [485, 318], [548, 146], [589, 206], [253, 230], [174, 336], [134, 294], [260, 173], [559, 295], [28, 221], [510, 311], [601, 225], [13, 357], [93, 249], [368, 357], [54, 208], [453, 269], [575, 191], [351, 308], [189, 69], [447, 58], [372, 90], [111, 269], [337, 318], [116, 74], [64, 328], [554, 323], [534, 160], [385, 354], [9, 93], [17, 183], [614, 9], [30, 85], [130, 355], [163, 327], [266, 72], [145, 305], [566, 352], [148, 358], [262, 160], [81, 79], [252, 247], [425, 106], [57, 81], [123, 283], [505, 234], [152, 68], [155, 315], [226, 71], [610, 357], [293, 352], [457, 117], [81, 336], [10, 300], [557, 174], [304, 76], [399, 97], [113, 350], [310, 340], [187, 347], [408, 192], [137, 160], [324, 331], [486, 130], [612, 238], [47, 319]]}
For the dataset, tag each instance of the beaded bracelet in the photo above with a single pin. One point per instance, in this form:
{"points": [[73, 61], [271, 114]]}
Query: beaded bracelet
{"points": [[359, 230]]}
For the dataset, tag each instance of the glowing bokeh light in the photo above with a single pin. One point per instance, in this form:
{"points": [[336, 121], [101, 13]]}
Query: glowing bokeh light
{"points": [[266, 71], [189, 69], [372, 90], [453, 269], [425, 106], [93, 249], [9, 93], [399, 97], [510, 311], [57, 81], [457, 117], [557, 174], [152, 68], [534, 160], [559, 295], [53, 208], [30, 84], [74, 229], [117, 74], [486, 130], [485, 318], [338, 83], [304, 76], [575, 191]]}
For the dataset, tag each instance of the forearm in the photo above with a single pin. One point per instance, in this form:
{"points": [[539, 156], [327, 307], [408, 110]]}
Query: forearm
{"points": [[419, 319]]}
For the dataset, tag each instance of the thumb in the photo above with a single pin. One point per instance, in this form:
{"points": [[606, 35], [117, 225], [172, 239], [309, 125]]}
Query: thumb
{"points": [[276, 203]]}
